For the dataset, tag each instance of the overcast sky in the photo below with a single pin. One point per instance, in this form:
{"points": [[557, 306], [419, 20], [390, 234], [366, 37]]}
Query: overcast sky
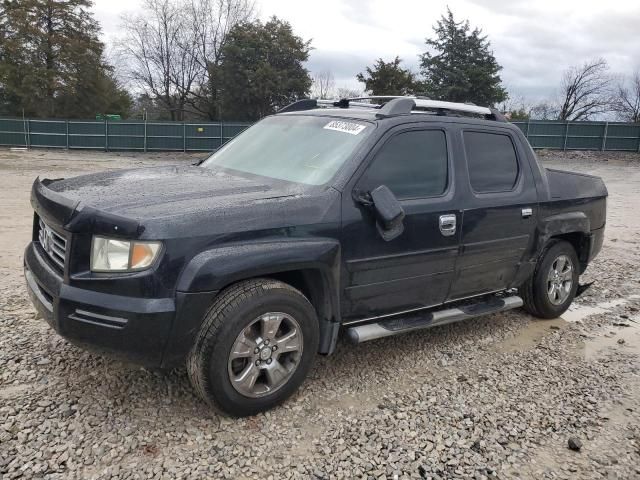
{"points": [[534, 40]]}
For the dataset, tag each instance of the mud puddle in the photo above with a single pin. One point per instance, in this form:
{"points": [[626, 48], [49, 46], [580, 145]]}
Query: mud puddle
{"points": [[536, 330], [531, 335], [613, 339], [577, 313]]}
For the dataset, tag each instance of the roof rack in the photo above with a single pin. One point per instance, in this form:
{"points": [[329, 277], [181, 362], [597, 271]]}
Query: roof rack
{"points": [[393, 105]]}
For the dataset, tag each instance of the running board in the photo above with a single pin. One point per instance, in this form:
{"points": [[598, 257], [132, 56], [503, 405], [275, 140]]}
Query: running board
{"points": [[417, 321]]}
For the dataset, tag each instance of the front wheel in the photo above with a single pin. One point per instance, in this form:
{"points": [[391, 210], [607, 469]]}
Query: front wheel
{"points": [[553, 285], [255, 347]]}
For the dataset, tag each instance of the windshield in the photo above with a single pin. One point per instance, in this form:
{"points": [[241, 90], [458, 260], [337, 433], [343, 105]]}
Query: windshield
{"points": [[300, 149]]}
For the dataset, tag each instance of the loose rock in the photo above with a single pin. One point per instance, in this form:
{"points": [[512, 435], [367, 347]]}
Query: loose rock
{"points": [[574, 444]]}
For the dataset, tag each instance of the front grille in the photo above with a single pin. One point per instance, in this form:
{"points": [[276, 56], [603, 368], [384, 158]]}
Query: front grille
{"points": [[54, 244]]}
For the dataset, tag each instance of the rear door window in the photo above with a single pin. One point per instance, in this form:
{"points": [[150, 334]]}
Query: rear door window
{"points": [[492, 161]]}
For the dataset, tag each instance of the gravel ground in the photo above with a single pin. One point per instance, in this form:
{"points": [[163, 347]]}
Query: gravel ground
{"points": [[495, 397]]}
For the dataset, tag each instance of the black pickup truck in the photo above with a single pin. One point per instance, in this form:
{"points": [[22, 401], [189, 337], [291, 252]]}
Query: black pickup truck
{"points": [[370, 219]]}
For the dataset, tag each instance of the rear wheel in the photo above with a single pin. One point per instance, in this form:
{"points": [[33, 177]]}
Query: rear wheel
{"points": [[552, 287], [255, 347]]}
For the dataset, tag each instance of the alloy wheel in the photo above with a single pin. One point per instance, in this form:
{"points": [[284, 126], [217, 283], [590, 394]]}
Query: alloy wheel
{"points": [[265, 354]]}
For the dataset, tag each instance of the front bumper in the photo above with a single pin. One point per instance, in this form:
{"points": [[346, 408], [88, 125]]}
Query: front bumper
{"points": [[134, 329]]}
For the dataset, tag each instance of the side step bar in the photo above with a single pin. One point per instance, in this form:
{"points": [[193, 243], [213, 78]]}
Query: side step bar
{"points": [[417, 321]]}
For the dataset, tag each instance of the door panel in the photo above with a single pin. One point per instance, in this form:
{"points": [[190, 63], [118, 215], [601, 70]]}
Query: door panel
{"points": [[411, 271], [415, 269], [494, 241], [496, 236]]}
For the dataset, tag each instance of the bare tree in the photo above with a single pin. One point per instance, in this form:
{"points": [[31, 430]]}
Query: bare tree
{"points": [[158, 46], [171, 50], [544, 111], [627, 99], [323, 85], [516, 107], [585, 91], [346, 92], [213, 20]]}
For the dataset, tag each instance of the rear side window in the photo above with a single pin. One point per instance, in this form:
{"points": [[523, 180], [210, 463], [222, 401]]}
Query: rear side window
{"points": [[492, 162], [412, 164]]}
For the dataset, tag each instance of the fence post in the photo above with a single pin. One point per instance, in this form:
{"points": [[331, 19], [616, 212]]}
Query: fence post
{"points": [[528, 124], [28, 133], [184, 137], [66, 125], [24, 130], [145, 134], [221, 133], [106, 135], [604, 136], [566, 134]]}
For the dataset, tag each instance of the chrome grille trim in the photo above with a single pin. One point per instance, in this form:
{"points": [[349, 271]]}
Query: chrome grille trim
{"points": [[54, 244]]}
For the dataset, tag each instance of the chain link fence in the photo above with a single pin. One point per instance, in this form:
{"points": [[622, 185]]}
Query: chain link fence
{"points": [[194, 137]]}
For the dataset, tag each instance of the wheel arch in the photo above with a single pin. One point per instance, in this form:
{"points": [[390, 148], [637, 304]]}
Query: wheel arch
{"points": [[581, 243], [572, 227], [311, 266]]}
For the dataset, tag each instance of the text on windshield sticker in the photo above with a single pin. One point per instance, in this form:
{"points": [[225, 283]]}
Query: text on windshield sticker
{"points": [[345, 127]]}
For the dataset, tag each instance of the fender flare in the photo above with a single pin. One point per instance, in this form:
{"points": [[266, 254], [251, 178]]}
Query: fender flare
{"points": [[219, 267], [216, 268], [563, 224], [568, 222]]}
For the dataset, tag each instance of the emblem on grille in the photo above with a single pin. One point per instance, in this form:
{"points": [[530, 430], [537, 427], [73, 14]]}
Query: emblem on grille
{"points": [[46, 239], [53, 244]]}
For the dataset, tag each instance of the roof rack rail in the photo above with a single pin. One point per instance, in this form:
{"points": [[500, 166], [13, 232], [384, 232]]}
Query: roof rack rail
{"points": [[400, 105], [311, 103]]}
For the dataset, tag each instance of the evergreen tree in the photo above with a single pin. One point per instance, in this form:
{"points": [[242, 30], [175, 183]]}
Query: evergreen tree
{"points": [[51, 61], [389, 78], [462, 67], [262, 69]]}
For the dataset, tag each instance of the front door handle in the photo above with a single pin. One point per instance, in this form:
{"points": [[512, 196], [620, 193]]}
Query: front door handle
{"points": [[527, 212], [448, 225]]}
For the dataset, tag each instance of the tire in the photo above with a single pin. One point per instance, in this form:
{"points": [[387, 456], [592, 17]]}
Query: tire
{"points": [[242, 321], [540, 297]]}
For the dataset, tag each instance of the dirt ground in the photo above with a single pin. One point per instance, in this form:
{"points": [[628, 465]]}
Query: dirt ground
{"points": [[495, 397]]}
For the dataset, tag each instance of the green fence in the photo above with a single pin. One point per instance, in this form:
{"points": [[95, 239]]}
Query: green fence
{"points": [[193, 137], [117, 135], [582, 135]]}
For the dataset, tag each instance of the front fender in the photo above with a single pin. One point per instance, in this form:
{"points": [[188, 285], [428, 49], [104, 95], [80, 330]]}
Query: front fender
{"points": [[318, 259], [221, 266], [212, 270]]}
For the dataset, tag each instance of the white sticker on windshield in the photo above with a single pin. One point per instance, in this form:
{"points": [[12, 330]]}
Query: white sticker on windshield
{"points": [[345, 127]]}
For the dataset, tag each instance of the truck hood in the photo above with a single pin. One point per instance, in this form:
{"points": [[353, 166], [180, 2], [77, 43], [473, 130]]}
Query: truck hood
{"points": [[172, 201], [146, 192]]}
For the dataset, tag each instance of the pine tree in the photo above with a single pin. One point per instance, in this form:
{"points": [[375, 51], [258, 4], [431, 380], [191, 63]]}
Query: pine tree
{"points": [[389, 78], [51, 61], [462, 67]]}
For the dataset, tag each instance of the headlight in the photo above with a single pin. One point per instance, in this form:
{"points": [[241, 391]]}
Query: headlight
{"points": [[113, 255]]}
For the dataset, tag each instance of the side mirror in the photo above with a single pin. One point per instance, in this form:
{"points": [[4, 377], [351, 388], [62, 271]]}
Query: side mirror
{"points": [[389, 213]]}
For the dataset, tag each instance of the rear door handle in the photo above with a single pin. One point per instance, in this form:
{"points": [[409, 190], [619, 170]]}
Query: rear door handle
{"points": [[527, 212], [448, 225]]}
